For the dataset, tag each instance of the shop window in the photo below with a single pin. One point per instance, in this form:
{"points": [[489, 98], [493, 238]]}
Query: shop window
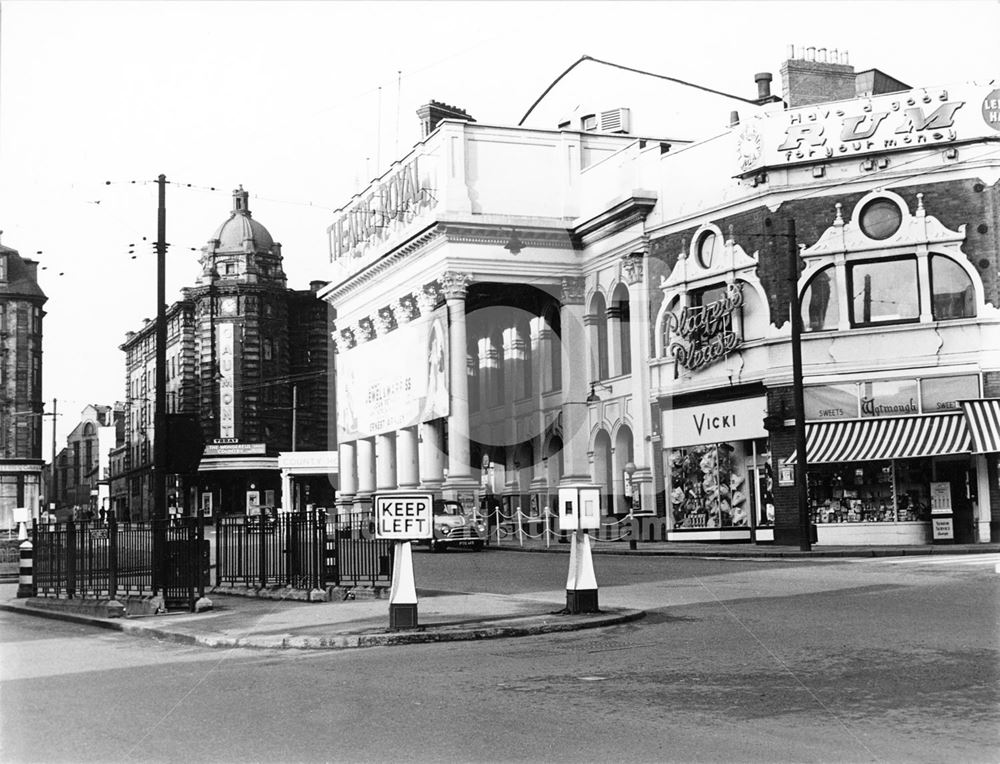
{"points": [[870, 492], [884, 291], [820, 306], [706, 487], [951, 290]]}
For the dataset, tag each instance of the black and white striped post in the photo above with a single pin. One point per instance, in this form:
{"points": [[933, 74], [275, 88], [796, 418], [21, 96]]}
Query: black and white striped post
{"points": [[26, 575]]}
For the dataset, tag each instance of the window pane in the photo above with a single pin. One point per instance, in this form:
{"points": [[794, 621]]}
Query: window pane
{"points": [[820, 306], [885, 291], [952, 289]]}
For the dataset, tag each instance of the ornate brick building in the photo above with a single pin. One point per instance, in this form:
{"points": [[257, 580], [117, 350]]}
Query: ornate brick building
{"points": [[247, 359], [21, 408]]}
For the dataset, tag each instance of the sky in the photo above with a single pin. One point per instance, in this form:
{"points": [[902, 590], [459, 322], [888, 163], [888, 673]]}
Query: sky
{"points": [[303, 103]]}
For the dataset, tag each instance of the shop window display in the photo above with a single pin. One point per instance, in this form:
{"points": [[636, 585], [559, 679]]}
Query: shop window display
{"points": [[707, 487], [869, 492]]}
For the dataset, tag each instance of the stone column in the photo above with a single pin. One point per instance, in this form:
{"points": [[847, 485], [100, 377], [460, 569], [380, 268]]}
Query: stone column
{"points": [[366, 473], [633, 272], [431, 456], [385, 462], [575, 411], [455, 285], [347, 469], [407, 475]]}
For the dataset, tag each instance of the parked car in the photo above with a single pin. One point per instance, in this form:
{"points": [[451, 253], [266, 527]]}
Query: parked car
{"points": [[454, 526]]}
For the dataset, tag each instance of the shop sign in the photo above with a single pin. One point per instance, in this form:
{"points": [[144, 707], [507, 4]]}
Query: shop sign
{"points": [[395, 197], [715, 423], [943, 528], [941, 499], [824, 402], [394, 381], [944, 393], [889, 398], [707, 330], [878, 124], [786, 474]]}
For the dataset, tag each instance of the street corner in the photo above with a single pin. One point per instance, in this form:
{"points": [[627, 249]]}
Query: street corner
{"points": [[440, 631]]}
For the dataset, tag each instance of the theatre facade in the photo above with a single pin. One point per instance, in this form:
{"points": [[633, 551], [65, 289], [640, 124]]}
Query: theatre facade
{"points": [[520, 308]]}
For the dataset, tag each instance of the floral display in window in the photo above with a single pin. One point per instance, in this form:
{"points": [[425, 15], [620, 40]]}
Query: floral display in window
{"points": [[706, 489]]}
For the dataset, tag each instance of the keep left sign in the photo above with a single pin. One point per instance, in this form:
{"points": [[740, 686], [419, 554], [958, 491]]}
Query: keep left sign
{"points": [[404, 516]]}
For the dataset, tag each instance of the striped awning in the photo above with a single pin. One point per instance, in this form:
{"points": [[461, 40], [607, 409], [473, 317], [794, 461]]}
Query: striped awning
{"points": [[898, 438], [984, 424]]}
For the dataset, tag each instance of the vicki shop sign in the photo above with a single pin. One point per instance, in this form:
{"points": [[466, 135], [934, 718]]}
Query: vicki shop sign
{"points": [[700, 335], [724, 422]]}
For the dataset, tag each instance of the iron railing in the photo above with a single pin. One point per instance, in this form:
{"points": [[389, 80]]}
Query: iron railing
{"points": [[106, 560], [286, 549], [302, 550], [354, 556]]}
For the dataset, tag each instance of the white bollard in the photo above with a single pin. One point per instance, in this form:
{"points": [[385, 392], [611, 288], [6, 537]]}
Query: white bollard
{"points": [[403, 593]]}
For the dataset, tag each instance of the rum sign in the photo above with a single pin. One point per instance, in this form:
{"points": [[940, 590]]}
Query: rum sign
{"points": [[706, 331]]}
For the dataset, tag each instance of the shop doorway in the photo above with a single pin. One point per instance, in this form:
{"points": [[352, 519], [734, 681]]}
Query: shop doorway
{"points": [[962, 478]]}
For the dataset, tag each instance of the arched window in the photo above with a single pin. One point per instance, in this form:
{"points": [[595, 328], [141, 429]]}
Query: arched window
{"points": [[598, 320], [820, 305], [604, 470], [620, 310], [952, 295]]}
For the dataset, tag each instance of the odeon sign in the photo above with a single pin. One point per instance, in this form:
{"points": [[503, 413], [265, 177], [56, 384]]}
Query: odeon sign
{"points": [[706, 330]]}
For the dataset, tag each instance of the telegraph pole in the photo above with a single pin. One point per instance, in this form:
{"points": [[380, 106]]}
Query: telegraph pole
{"points": [[801, 490], [159, 405]]}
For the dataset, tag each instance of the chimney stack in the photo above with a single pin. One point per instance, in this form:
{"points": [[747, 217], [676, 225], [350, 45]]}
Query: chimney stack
{"points": [[433, 112], [815, 79]]}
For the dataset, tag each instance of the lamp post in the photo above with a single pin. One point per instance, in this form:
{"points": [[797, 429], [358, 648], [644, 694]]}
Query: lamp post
{"points": [[630, 469], [801, 490]]}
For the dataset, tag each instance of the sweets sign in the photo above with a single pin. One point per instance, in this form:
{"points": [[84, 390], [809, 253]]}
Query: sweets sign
{"points": [[707, 331]]}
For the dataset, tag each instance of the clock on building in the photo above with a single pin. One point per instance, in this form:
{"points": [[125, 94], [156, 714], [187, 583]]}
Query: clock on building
{"points": [[228, 306]]}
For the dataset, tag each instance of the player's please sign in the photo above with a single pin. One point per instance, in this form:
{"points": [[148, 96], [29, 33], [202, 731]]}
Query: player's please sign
{"points": [[404, 516]]}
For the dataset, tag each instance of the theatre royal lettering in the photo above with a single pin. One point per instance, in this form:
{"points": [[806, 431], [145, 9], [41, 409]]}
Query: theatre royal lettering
{"points": [[393, 198], [707, 331]]}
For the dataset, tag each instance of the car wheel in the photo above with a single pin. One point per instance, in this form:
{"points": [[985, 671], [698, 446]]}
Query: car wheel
{"points": [[436, 546]]}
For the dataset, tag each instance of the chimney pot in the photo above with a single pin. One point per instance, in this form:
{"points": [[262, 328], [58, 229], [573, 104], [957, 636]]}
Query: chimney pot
{"points": [[763, 80], [843, 58], [821, 54], [810, 53], [734, 118]]}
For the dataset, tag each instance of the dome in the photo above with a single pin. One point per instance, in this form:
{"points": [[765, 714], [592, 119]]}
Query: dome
{"points": [[240, 228]]}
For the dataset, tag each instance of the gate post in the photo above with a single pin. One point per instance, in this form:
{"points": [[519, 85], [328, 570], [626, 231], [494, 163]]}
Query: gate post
{"points": [[262, 552], [112, 557], [71, 558], [219, 549]]}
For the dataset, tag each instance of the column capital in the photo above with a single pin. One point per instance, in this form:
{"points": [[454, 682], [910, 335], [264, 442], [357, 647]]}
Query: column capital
{"points": [[573, 289], [455, 285], [632, 267]]}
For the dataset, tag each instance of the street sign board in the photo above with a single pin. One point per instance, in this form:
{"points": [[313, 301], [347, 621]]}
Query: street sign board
{"points": [[404, 516]]}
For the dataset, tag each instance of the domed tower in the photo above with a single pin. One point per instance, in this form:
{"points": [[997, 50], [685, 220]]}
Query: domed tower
{"points": [[242, 334]]}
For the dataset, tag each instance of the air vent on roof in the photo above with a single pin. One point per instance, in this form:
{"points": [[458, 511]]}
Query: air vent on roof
{"points": [[614, 121]]}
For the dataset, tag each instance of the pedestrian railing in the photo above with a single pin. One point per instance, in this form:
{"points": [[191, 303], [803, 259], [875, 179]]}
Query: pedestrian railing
{"points": [[110, 559], [264, 550], [354, 556], [302, 550]]}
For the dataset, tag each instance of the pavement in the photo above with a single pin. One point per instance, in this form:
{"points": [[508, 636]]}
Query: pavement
{"points": [[251, 622]]}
